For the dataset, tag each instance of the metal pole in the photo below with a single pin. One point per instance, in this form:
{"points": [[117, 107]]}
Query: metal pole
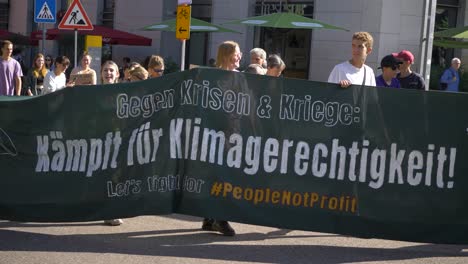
{"points": [[76, 45], [182, 58], [427, 37], [430, 40], [44, 31]]}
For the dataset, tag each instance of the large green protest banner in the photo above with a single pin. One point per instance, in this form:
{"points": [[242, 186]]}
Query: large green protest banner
{"points": [[363, 161]]}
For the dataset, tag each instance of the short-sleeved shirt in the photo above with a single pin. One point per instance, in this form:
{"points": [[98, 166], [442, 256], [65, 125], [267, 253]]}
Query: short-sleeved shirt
{"points": [[380, 82], [346, 71], [412, 81], [9, 70]]}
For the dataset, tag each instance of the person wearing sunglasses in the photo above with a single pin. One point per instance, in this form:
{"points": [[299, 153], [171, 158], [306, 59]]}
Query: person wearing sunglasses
{"points": [[389, 66], [408, 78], [49, 62], [155, 66]]}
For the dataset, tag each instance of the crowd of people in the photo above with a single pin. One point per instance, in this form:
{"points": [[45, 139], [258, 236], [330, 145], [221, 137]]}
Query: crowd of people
{"points": [[396, 69], [48, 75]]}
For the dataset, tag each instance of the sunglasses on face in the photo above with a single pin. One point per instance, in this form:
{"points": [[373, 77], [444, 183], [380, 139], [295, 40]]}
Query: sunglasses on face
{"points": [[158, 70]]}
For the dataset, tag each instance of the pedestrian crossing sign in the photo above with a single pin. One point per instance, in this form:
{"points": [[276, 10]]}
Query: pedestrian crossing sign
{"points": [[76, 18], [44, 11]]}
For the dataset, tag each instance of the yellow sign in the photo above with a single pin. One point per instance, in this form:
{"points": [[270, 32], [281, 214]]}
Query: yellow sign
{"points": [[183, 21], [93, 41]]}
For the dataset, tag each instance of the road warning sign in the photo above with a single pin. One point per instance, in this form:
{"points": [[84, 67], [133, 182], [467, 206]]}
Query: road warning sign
{"points": [[44, 11], [76, 18]]}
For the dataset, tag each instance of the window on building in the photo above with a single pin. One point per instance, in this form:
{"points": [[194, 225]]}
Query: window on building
{"points": [[108, 13], [446, 17], [198, 43], [4, 14], [293, 45]]}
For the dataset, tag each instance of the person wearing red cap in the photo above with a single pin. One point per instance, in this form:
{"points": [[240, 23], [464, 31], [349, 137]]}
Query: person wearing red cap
{"points": [[355, 71], [408, 78]]}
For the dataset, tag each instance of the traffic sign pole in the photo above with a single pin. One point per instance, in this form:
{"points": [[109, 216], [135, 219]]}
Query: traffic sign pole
{"points": [[183, 29], [182, 59], [76, 18], [44, 32], [76, 46], [44, 12]]}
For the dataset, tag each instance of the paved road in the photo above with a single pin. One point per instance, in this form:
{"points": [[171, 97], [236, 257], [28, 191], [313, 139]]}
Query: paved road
{"points": [[178, 239]]}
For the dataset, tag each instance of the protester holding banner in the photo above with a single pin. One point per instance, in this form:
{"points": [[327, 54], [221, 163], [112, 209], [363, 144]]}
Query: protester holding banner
{"points": [[389, 65], [355, 71], [131, 66], [110, 72], [56, 79], [275, 66], [258, 56], [138, 73], [255, 69], [10, 71], [408, 78], [34, 81], [109, 75], [155, 66], [84, 75], [228, 58]]}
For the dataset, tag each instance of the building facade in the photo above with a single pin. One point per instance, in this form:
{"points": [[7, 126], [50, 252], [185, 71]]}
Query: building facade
{"points": [[308, 54]]}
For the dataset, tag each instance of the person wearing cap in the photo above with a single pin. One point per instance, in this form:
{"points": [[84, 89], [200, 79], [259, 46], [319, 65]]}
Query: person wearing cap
{"points": [[408, 78], [450, 77], [389, 65], [355, 71]]}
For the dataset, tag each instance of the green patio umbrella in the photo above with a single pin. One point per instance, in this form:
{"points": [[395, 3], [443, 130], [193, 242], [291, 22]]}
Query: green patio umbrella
{"points": [[452, 38], [196, 25], [284, 20], [447, 43], [459, 33]]}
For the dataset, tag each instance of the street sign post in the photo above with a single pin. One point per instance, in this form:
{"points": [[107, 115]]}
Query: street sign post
{"points": [[183, 28], [44, 11], [76, 19]]}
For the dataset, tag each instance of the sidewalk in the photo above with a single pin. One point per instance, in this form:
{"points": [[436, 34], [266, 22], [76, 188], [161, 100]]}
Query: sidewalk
{"points": [[178, 239]]}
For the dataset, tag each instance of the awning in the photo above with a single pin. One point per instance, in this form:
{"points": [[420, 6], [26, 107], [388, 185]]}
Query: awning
{"points": [[451, 44], [16, 38], [109, 36]]}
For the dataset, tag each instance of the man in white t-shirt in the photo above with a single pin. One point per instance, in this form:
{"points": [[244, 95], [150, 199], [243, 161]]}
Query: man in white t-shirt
{"points": [[355, 71]]}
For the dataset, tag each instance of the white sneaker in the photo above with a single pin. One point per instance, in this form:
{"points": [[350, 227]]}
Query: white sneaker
{"points": [[113, 222]]}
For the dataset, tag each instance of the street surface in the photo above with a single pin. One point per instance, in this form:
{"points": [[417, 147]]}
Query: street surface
{"points": [[178, 239]]}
